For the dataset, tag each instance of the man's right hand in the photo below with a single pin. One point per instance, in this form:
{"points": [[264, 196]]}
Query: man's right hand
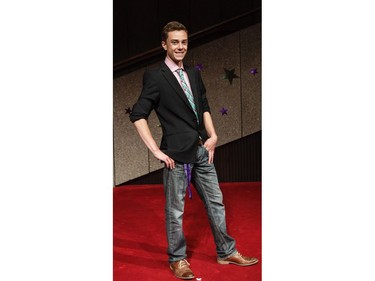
{"points": [[169, 162]]}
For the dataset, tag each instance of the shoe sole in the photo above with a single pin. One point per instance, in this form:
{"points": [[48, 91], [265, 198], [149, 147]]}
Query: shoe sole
{"points": [[239, 264]]}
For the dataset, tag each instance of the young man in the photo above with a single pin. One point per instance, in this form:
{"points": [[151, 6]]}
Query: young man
{"points": [[178, 96]]}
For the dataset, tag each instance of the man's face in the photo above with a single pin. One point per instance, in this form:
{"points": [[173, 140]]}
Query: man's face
{"points": [[176, 45]]}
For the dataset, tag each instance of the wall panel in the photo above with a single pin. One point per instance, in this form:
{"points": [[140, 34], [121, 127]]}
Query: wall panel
{"points": [[250, 83], [130, 155]]}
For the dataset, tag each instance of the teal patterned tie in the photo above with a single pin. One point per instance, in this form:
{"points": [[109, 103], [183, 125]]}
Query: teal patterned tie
{"points": [[187, 92]]}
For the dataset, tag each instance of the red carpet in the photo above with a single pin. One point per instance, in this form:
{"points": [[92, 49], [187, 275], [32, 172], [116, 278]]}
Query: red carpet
{"points": [[139, 250]]}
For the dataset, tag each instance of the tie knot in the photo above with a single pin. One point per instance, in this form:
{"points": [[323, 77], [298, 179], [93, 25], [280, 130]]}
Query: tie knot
{"points": [[180, 73]]}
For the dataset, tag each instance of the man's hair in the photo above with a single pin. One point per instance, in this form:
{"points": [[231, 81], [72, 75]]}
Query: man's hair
{"points": [[172, 26]]}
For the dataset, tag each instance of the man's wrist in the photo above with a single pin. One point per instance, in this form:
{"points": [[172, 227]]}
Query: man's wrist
{"points": [[214, 137]]}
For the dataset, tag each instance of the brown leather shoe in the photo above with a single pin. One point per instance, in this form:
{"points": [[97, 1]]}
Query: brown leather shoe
{"points": [[238, 259], [181, 269]]}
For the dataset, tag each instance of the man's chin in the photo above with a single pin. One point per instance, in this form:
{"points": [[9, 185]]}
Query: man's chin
{"points": [[180, 57]]}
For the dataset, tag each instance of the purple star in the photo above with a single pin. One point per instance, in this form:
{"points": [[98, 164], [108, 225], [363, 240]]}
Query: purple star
{"points": [[199, 66], [224, 111], [128, 111], [253, 71]]}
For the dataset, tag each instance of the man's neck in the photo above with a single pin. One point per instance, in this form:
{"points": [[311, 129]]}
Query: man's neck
{"points": [[172, 62]]}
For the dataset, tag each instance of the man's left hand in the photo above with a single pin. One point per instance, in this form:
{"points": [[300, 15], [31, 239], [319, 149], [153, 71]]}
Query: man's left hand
{"points": [[210, 145]]}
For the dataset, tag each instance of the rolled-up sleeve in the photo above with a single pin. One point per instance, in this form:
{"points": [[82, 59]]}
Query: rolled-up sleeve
{"points": [[148, 98]]}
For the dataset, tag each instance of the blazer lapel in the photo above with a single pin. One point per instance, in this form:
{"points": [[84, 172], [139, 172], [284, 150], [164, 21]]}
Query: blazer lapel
{"points": [[167, 73]]}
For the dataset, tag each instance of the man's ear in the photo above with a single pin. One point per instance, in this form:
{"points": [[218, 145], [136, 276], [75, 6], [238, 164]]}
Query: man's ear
{"points": [[164, 45]]}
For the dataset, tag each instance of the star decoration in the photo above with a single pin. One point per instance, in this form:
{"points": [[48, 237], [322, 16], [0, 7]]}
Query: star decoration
{"points": [[128, 111], [253, 71], [224, 111], [199, 66], [229, 74]]}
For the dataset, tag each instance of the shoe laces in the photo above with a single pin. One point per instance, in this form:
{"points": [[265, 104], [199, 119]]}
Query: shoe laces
{"points": [[241, 256], [183, 263]]}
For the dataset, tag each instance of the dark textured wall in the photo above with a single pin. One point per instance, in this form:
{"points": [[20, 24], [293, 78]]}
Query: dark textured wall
{"points": [[240, 51], [137, 24]]}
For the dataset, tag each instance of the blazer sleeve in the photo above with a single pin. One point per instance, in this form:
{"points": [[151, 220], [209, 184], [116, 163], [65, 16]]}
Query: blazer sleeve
{"points": [[202, 90], [148, 99]]}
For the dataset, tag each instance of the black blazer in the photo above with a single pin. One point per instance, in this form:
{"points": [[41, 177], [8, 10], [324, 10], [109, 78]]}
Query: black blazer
{"points": [[163, 93]]}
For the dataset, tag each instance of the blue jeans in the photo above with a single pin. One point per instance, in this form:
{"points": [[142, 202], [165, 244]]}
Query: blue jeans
{"points": [[207, 187]]}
